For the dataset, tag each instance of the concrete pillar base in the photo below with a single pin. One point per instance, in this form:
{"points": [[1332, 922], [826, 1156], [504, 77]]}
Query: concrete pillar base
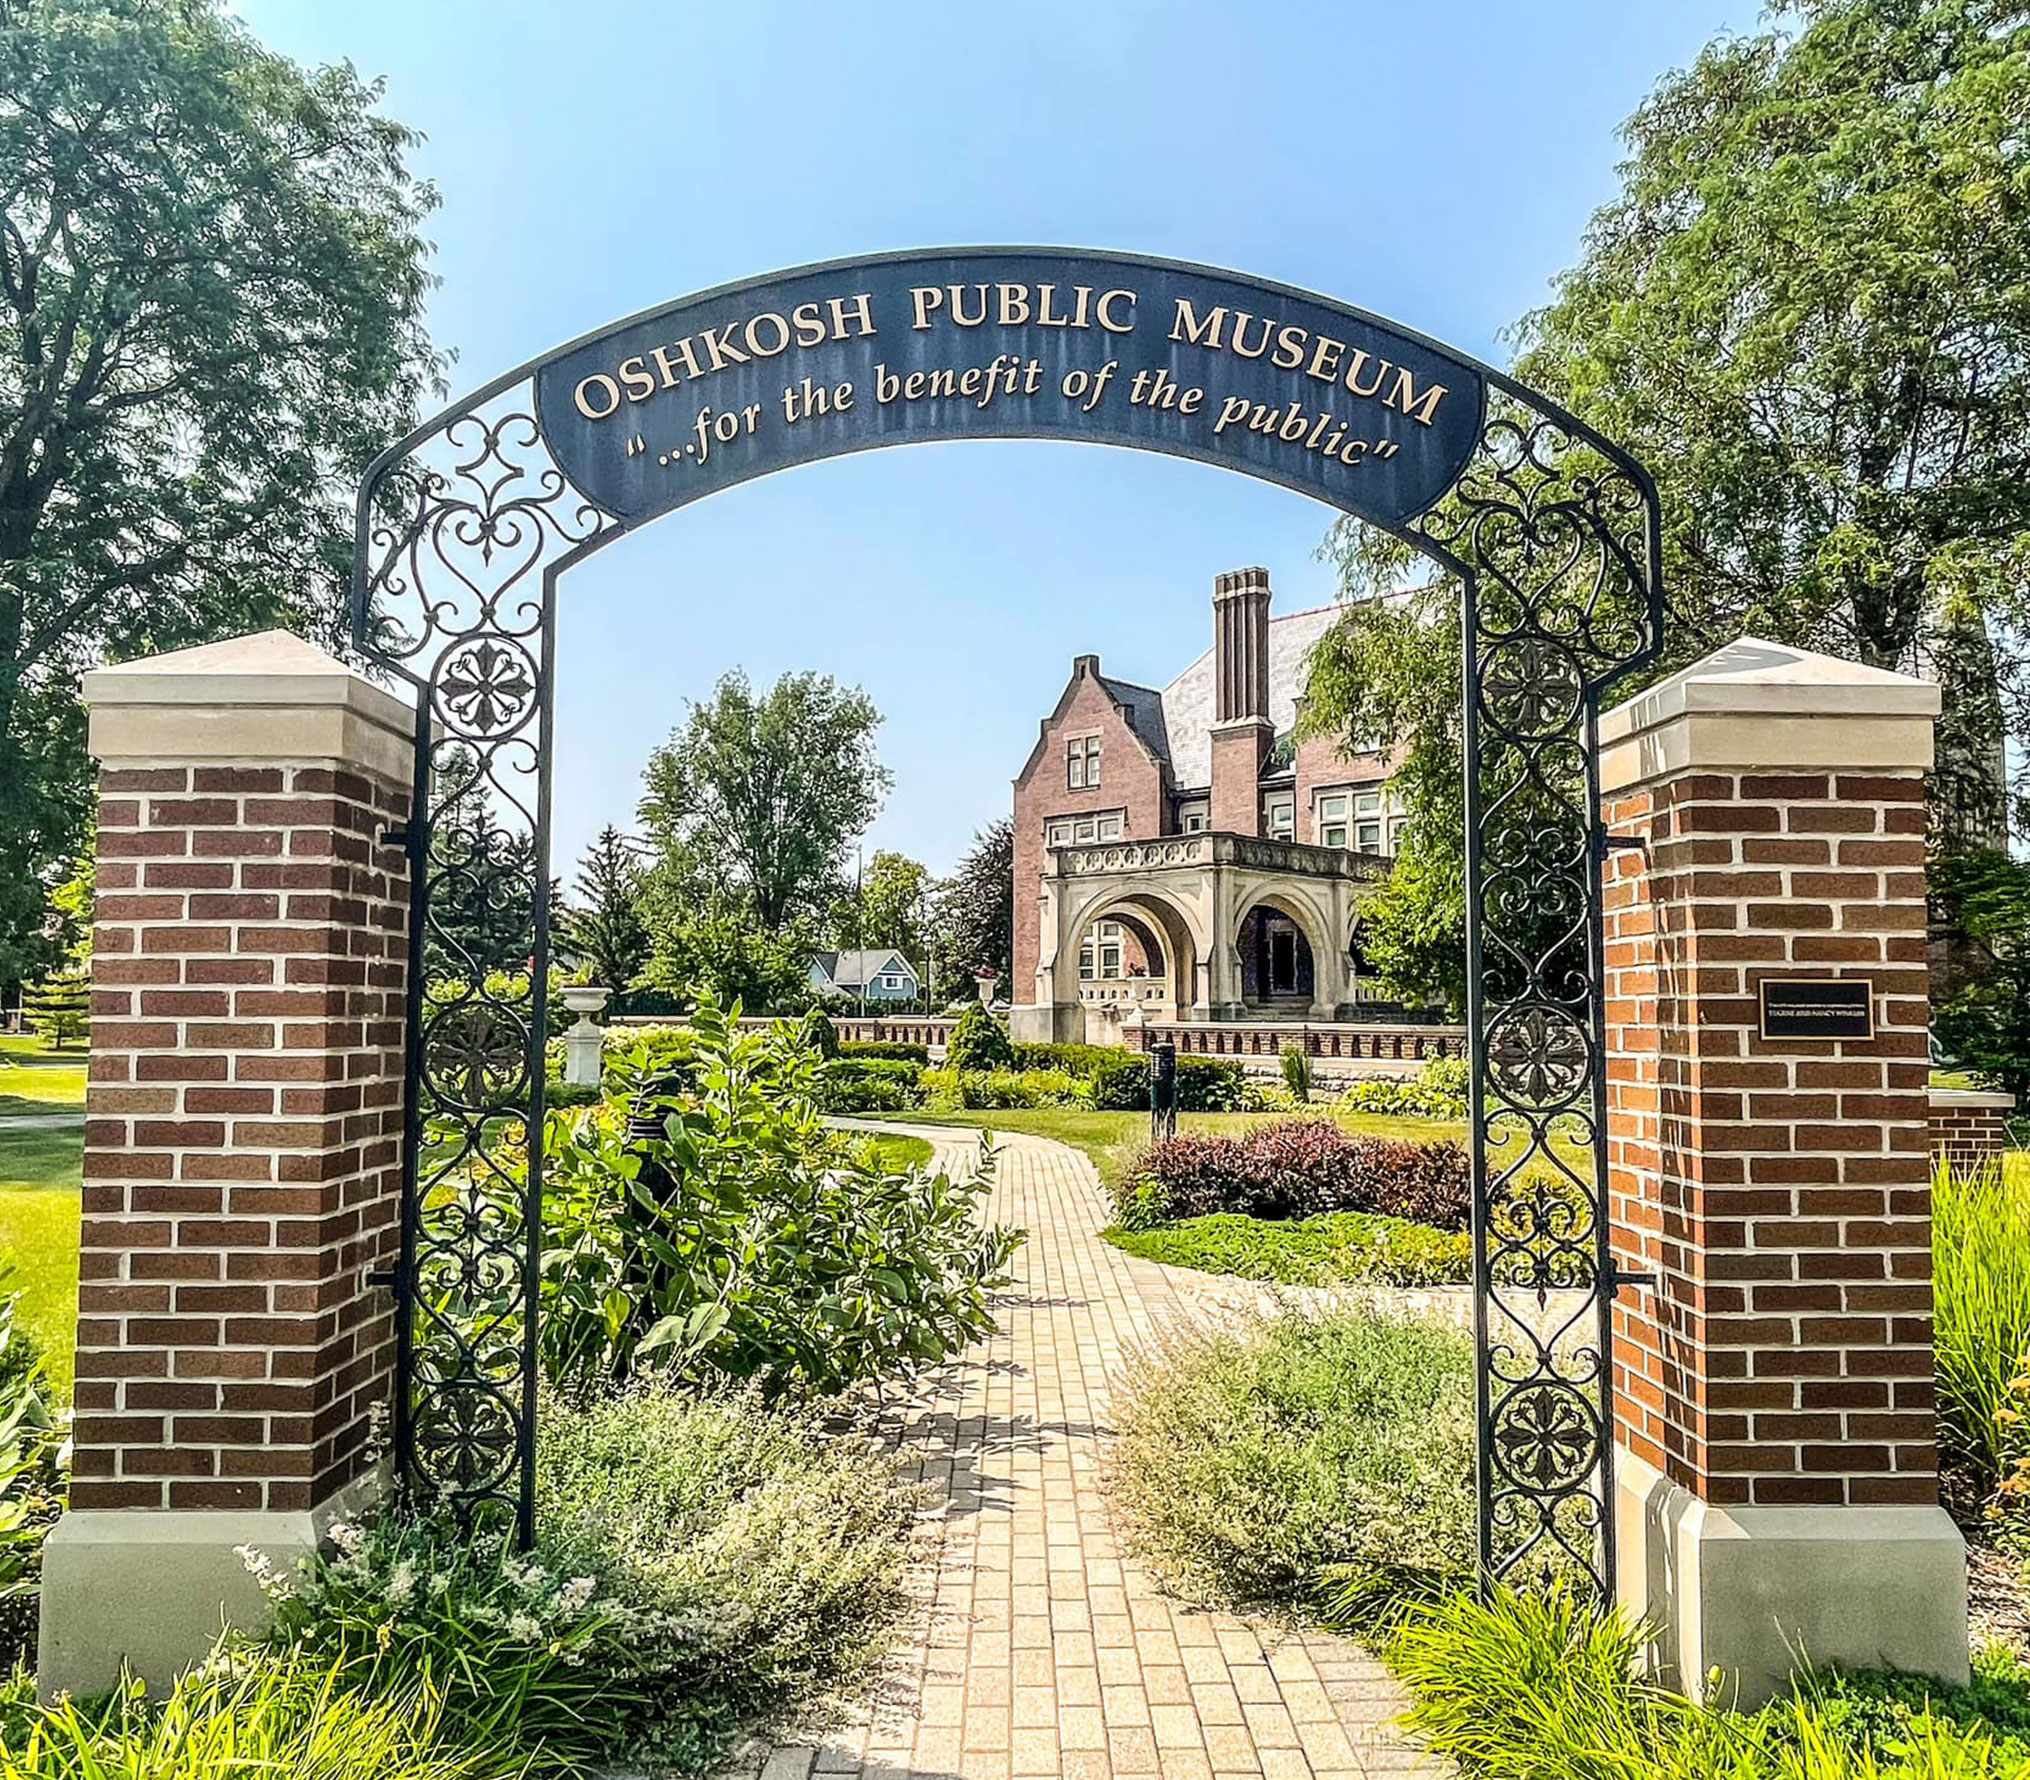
{"points": [[583, 1055], [149, 1589], [1050, 1023], [1752, 1591]]}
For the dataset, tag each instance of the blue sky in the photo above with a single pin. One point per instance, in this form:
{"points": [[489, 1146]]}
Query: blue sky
{"points": [[1433, 163]]}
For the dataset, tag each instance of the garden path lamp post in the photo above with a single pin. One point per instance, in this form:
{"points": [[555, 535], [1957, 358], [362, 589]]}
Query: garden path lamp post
{"points": [[1163, 1091]]}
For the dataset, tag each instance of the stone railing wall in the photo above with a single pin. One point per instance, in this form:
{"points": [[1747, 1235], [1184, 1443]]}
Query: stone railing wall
{"points": [[1352, 1041]]}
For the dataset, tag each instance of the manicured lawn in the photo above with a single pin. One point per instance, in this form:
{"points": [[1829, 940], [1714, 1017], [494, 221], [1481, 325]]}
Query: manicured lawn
{"points": [[39, 1237], [1333, 1248], [35, 1079], [896, 1154]]}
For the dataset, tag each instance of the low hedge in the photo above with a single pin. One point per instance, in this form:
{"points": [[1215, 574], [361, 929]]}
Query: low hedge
{"points": [[871, 1085], [1004, 1090], [885, 1050], [1297, 1168], [1082, 1060]]}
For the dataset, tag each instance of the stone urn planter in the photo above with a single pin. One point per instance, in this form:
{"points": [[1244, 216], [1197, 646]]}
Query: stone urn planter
{"points": [[582, 1041]]}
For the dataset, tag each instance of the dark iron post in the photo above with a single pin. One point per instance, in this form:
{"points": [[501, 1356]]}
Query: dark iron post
{"points": [[1162, 1091]]}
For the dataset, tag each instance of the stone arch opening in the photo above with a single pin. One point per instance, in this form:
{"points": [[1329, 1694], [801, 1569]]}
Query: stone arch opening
{"points": [[1169, 954]]}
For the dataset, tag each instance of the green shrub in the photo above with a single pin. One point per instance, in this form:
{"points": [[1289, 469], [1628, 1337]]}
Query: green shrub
{"points": [[890, 1050], [648, 1052], [1981, 1295], [979, 1041], [34, 1471], [870, 1085], [569, 1094], [820, 1034], [1438, 1091], [746, 1239], [762, 1557], [699, 1561], [264, 1720], [1526, 1686], [1335, 1247], [1256, 1460], [1297, 1074], [999, 1090], [1120, 1082], [1210, 1084], [524, 1652]]}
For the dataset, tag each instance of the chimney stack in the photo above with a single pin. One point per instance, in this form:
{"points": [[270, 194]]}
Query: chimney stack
{"points": [[1241, 733], [1240, 645]]}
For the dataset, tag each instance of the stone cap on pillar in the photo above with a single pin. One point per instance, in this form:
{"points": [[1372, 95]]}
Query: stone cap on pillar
{"points": [[1758, 706], [256, 699]]}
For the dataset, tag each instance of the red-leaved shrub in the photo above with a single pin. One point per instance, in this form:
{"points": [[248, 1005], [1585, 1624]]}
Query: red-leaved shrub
{"points": [[1297, 1168]]}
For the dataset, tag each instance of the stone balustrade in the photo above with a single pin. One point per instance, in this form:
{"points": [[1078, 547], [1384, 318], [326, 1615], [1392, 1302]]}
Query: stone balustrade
{"points": [[1351, 1041]]}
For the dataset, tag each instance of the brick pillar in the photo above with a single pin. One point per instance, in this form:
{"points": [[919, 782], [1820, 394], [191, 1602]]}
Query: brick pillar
{"points": [[243, 1122], [1778, 1483], [1970, 1128]]}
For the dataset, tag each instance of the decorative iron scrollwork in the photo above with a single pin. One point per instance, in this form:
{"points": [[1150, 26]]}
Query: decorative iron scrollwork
{"points": [[1553, 534], [463, 529]]}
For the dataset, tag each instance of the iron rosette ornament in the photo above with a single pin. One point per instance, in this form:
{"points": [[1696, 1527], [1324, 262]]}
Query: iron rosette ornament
{"points": [[463, 527], [1554, 535]]}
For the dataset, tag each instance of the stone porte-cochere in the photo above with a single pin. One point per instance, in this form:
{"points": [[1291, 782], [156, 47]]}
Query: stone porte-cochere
{"points": [[1228, 925]]}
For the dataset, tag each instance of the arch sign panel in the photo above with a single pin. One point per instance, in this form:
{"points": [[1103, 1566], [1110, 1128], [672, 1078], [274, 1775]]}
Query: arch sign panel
{"points": [[1552, 532], [718, 389]]}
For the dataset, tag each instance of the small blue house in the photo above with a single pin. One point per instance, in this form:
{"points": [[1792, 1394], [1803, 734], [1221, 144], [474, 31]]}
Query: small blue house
{"points": [[882, 976]]}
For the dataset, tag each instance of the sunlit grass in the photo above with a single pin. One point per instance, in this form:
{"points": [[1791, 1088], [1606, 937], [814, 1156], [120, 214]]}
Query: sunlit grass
{"points": [[39, 1172], [35, 1079]]}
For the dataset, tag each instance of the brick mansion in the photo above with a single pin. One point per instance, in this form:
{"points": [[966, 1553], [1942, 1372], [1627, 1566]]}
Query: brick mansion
{"points": [[1184, 854]]}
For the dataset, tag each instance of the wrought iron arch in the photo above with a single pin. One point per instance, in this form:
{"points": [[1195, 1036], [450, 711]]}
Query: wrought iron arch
{"points": [[1553, 534]]}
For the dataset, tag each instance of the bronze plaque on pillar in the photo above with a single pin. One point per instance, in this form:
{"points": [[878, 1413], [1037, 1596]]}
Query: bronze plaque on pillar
{"points": [[1814, 1009]]}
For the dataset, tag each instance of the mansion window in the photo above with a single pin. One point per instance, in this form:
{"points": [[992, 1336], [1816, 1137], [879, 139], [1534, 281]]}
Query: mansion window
{"points": [[1280, 816], [1080, 831], [1194, 818], [1366, 821], [1082, 762], [1099, 953]]}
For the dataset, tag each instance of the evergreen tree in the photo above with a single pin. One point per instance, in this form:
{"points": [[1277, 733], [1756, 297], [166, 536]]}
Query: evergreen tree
{"points": [[606, 929], [973, 913]]}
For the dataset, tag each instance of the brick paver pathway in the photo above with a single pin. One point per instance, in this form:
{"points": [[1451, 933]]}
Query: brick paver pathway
{"points": [[1038, 1647]]}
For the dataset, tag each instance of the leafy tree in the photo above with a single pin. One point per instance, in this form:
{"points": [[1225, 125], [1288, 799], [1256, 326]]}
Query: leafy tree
{"points": [[607, 929], [1808, 312], [765, 794], [706, 944], [211, 318], [1389, 667], [1982, 897], [973, 921]]}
